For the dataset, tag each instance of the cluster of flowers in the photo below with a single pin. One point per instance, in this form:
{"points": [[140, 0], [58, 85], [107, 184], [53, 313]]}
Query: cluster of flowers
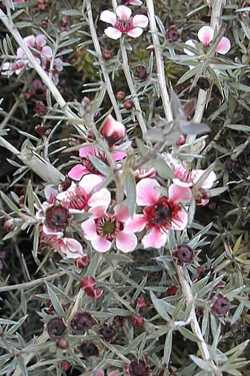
{"points": [[42, 53], [108, 222]]}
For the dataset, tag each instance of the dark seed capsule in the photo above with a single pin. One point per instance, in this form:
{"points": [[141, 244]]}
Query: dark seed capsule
{"points": [[56, 327]]}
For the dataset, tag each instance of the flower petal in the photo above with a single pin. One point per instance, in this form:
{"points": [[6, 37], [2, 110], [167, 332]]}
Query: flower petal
{"points": [[46, 52], [126, 242], [90, 181], [30, 41], [177, 193], [87, 151], [154, 238], [123, 12], [205, 35], [50, 193], [135, 224], [147, 192], [113, 33], [48, 231], [118, 155], [140, 21], [208, 182], [77, 172], [121, 213], [190, 43], [72, 248], [100, 198], [223, 46], [135, 32], [100, 244], [98, 211], [180, 220], [40, 41], [183, 177], [89, 229], [108, 17]]}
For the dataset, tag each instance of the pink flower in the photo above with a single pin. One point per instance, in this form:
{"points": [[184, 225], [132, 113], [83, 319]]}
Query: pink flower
{"points": [[186, 178], [104, 227], [87, 167], [68, 247], [79, 197], [123, 23], [113, 131], [206, 36], [160, 212]]}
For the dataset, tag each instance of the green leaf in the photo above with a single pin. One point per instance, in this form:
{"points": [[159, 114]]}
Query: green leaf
{"points": [[130, 189], [101, 166], [55, 300], [168, 348], [203, 364], [162, 307]]}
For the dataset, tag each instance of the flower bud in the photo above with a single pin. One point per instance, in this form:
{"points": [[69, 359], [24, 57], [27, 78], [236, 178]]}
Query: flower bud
{"points": [[62, 343], [88, 349], [184, 254], [107, 332], [137, 321], [82, 262], [221, 306], [107, 54], [113, 131], [56, 327], [120, 95], [128, 104], [81, 322], [138, 368]]}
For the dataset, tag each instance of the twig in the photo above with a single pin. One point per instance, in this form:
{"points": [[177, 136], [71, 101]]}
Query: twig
{"points": [[159, 62], [188, 295], [215, 23], [101, 61], [126, 70], [27, 285]]}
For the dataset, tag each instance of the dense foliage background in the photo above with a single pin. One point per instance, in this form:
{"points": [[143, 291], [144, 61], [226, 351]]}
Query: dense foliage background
{"points": [[156, 311]]}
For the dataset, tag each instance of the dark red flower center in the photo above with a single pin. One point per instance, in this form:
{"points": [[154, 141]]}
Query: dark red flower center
{"points": [[124, 25], [56, 217], [138, 368], [108, 226], [160, 214]]}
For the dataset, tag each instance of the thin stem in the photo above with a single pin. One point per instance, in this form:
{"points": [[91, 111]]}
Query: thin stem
{"points": [[215, 23], [28, 285], [188, 295], [126, 70], [159, 62], [101, 61]]}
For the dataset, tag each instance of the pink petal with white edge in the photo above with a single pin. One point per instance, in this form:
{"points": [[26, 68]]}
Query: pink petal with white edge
{"points": [[77, 172], [179, 222], [100, 244], [178, 194], [223, 46], [123, 12], [90, 182], [190, 43], [183, 177], [135, 224], [205, 35], [118, 155], [100, 198], [87, 151], [113, 33], [140, 21], [134, 2], [30, 41], [89, 229], [111, 126], [154, 238], [126, 242], [72, 248], [147, 192], [20, 54], [121, 213], [208, 182], [135, 33], [108, 17], [49, 231]]}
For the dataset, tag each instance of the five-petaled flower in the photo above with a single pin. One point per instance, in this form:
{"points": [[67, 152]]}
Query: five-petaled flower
{"points": [[123, 22], [86, 153], [160, 214], [206, 36], [105, 227]]}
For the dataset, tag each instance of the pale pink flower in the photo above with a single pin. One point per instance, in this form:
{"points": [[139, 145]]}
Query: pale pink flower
{"points": [[206, 36], [123, 23], [105, 227], [160, 214], [112, 130], [87, 167], [68, 247], [190, 178], [80, 197]]}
